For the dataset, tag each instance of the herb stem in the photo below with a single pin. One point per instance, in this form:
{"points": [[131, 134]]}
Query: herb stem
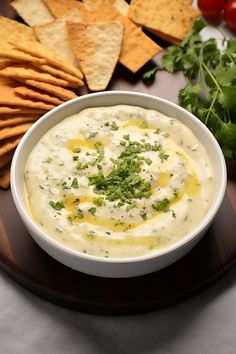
{"points": [[210, 109], [212, 77]]}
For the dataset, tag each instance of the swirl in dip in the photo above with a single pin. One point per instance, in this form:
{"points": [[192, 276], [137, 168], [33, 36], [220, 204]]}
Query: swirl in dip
{"points": [[118, 181]]}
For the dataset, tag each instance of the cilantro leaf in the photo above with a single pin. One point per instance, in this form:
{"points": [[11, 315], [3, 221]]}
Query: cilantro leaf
{"points": [[149, 76], [227, 97]]}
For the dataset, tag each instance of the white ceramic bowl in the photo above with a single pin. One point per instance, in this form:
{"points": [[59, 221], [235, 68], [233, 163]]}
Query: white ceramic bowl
{"points": [[108, 267]]}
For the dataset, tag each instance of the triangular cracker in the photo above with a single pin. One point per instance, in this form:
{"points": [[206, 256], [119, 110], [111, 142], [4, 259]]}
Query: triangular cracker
{"points": [[172, 21], [33, 12], [54, 35], [60, 7], [97, 48], [137, 48]]}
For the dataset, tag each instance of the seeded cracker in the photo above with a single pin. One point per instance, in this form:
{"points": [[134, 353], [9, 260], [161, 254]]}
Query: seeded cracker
{"points": [[97, 48], [172, 21], [33, 12]]}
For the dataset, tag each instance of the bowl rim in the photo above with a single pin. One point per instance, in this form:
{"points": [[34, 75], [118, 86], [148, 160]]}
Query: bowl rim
{"points": [[186, 240]]}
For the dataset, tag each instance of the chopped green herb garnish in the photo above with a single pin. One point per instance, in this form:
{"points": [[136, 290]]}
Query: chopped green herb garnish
{"points": [[162, 205], [148, 160], [163, 156], [122, 142], [114, 126], [56, 205], [92, 134], [157, 131], [92, 210], [49, 159], [144, 124], [143, 214], [131, 206], [80, 213], [126, 137], [81, 166], [77, 150], [98, 201], [74, 183]]}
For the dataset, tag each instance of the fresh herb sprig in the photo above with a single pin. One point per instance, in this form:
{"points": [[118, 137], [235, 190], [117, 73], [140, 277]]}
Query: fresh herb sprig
{"points": [[210, 93]]}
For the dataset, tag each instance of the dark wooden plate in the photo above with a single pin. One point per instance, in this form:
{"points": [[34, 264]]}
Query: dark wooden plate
{"points": [[24, 261]]}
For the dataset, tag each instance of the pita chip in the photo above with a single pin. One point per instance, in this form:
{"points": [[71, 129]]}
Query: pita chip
{"points": [[33, 12], [121, 5], [173, 19], [60, 7], [55, 36], [137, 48], [97, 48]]}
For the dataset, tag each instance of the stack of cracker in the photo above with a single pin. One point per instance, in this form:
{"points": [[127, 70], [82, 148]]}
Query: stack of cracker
{"points": [[94, 34], [33, 80], [41, 64]]}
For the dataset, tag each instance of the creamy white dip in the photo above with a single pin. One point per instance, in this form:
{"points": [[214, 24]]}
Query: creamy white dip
{"points": [[119, 181]]}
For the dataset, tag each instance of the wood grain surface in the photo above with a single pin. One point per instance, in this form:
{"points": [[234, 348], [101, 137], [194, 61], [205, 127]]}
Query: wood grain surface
{"points": [[23, 260]]}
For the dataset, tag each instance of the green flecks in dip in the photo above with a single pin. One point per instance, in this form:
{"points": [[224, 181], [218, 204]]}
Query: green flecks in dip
{"points": [[117, 181]]}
